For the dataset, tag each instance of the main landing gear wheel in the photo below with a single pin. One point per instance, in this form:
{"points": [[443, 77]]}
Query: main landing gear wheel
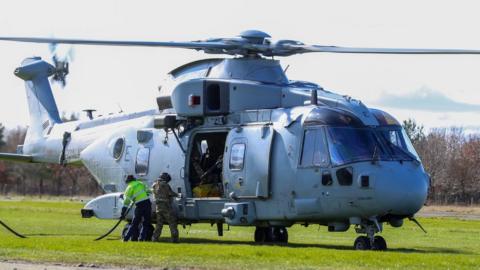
{"points": [[379, 243], [271, 235], [260, 235], [280, 234], [362, 243]]}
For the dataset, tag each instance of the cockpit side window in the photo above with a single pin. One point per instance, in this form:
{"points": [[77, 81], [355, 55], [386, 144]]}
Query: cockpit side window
{"points": [[314, 151], [142, 161], [393, 136]]}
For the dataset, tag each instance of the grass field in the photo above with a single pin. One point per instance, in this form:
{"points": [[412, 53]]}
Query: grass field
{"points": [[57, 234]]}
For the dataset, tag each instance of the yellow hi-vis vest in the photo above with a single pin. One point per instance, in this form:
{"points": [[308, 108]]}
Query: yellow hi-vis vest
{"points": [[136, 192]]}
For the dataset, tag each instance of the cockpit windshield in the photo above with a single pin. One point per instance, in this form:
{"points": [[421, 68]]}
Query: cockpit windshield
{"points": [[347, 144], [337, 137], [352, 144], [397, 142]]}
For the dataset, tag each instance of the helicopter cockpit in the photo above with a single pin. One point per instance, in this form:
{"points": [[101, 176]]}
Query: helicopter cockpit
{"points": [[337, 137]]}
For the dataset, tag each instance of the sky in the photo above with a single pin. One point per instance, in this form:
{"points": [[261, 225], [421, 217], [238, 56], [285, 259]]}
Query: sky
{"points": [[435, 90]]}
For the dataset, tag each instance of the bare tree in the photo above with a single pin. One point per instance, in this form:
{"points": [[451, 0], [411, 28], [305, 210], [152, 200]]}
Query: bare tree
{"points": [[2, 135]]}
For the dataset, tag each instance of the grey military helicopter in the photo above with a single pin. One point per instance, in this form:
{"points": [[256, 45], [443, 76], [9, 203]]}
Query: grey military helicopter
{"points": [[278, 151]]}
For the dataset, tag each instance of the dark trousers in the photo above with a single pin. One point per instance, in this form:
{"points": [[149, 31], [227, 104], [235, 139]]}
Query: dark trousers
{"points": [[143, 215]]}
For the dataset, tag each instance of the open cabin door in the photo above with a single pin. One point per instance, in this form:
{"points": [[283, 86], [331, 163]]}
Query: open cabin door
{"points": [[246, 163]]}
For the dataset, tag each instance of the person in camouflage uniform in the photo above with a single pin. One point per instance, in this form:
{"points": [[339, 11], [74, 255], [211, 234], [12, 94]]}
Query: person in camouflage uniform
{"points": [[165, 212]]}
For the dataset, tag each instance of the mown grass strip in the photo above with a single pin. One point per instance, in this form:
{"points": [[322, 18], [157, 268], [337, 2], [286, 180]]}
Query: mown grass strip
{"points": [[58, 234]]}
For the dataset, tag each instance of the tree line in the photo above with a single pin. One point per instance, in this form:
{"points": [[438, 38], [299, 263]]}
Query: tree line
{"points": [[452, 159], [41, 179]]}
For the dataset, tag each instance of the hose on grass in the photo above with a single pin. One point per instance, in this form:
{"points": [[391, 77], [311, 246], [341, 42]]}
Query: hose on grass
{"points": [[116, 224], [11, 230]]}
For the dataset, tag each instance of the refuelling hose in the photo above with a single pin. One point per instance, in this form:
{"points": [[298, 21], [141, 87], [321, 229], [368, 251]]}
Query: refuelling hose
{"points": [[116, 224], [11, 230]]}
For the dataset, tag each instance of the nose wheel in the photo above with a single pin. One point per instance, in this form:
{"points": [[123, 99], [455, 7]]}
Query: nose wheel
{"points": [[370, 241], [379, 243], [364, 243]]}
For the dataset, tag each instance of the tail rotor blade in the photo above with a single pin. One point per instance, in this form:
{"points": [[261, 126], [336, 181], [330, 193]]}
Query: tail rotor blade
{"points": [[60, 58]]}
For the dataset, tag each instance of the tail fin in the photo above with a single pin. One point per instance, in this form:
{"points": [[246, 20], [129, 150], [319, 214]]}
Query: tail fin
{"points": [[41, 104]]}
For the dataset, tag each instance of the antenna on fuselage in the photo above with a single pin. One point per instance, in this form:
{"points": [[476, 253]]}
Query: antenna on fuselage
{"points": [[90, 113], [314, 97], [120, 107]]}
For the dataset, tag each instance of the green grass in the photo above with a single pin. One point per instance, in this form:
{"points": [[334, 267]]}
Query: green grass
{"points": [[57, 233]]}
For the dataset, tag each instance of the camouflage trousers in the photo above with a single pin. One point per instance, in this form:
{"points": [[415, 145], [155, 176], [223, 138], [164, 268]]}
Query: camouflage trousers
{"points": [[165, 215]]}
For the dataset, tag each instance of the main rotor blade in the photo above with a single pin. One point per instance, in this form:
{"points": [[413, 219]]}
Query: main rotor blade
{"points": [[335, 49], [197, 45], [242, 46]]}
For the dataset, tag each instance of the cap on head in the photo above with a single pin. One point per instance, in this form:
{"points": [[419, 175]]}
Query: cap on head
{"points": [[165, 177], [129, 179]]}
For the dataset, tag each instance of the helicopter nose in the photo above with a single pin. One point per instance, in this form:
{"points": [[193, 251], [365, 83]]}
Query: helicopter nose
{"points": [[403, 189]]}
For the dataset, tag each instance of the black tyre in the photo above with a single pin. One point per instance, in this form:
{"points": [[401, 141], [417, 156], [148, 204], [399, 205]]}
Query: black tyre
{"points": [[280, 234], [362, 243], [270, 235], [260, 235], [379, 243]]}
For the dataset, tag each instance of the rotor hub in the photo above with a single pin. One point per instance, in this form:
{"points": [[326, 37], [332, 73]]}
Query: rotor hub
{"points": [[254, 36]]}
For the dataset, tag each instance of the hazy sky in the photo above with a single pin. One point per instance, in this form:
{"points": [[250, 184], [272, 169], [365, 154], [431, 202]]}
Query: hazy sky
{"points": [[435, 90]]}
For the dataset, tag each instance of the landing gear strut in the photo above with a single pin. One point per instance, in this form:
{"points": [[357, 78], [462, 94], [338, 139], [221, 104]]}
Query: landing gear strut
{"points": [[271, 235], [370, 242]]}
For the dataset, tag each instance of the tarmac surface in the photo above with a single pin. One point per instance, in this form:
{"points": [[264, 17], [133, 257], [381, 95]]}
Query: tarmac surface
{"points": [[460, 212], [14, 265]]}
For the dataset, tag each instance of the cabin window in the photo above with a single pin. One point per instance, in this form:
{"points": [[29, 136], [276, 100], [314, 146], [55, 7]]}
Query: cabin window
{"points": [[314, 151], [127, 153], [142, 161], [118, 148], [237, 157]]}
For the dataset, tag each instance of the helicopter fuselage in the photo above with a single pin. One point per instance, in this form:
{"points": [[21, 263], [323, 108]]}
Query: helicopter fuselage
{"points": [[275, 152], [273, 179]]}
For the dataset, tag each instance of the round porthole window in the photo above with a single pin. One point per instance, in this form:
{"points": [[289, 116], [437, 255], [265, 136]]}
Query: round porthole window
{"points": [[118, 148]]}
